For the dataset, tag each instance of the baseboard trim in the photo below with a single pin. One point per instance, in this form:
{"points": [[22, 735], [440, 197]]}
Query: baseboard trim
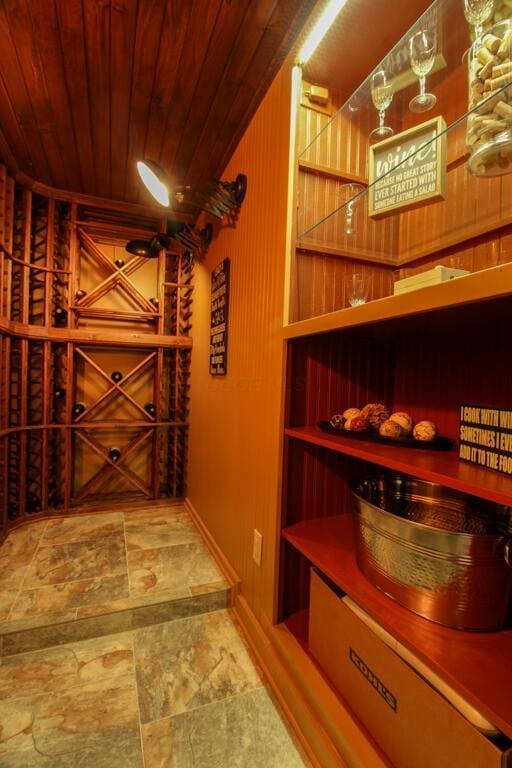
{"points": [[218, 555]]}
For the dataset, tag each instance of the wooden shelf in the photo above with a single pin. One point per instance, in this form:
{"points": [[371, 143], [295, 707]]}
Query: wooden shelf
{"points": [[479, 286], [477, 665], [99, 337], [358, 254], [442, 467], [331, 173]]}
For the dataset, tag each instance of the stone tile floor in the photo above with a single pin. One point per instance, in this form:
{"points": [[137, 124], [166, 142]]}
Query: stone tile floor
{"points": [[184, 694], [163, 678], [95, 574]]}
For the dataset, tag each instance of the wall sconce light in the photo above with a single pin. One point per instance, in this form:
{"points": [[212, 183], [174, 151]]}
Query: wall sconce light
{"points": [[184, 236], [215, 197]]}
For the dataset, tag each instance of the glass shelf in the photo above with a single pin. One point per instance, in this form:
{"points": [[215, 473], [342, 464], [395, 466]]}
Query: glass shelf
{"points": [[359, 116], [338, 237]]}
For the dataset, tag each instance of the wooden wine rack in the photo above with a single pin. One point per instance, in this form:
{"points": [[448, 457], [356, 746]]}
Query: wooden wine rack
{"points": [[70, 310]]}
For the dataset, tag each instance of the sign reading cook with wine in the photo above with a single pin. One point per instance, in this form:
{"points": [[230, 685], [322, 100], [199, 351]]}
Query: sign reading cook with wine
{"points": [[408, 169], [219, 319], [486, 437]]}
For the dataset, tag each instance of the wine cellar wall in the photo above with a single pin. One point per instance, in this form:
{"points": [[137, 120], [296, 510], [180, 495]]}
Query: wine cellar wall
{"points": [[95, 354]]}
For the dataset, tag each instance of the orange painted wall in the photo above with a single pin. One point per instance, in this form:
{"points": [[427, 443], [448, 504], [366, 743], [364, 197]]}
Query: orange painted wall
{"points": [[235, 453]]}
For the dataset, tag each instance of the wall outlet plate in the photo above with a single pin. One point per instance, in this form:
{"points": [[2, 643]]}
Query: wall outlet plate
{"points": [[256, 547]]}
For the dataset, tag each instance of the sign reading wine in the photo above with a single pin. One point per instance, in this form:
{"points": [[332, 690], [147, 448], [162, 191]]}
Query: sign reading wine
{"points": [[219, 319], [408, 169], [486, 437]]}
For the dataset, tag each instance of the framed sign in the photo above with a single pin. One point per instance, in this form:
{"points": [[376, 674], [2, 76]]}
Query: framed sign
{"points": [[486, 437], [412, 165], [219, 319]]}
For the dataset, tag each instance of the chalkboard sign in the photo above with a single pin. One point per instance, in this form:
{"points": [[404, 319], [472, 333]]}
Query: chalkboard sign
{"points": [[413, 167], [486, 437], [219, 319]]}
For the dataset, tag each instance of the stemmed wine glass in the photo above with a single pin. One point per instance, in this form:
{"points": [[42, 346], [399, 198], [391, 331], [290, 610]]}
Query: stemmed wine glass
{"points": [[422, 52], [476, 12], [348, 197], [382, 96]]}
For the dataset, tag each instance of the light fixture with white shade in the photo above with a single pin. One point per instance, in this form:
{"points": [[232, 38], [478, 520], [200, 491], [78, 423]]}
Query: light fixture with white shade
{"points": [[217, 198], [154, 180]]}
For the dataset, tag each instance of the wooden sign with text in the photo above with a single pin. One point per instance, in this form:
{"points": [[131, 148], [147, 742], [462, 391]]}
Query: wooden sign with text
{"points": [[412, 165], [486, 437], [219, 319]]}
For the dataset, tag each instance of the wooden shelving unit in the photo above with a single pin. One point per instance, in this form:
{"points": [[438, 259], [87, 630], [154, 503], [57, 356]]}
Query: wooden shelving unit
{"points": [[442, 467], [69, 316], [426, 353], [477, 665]]}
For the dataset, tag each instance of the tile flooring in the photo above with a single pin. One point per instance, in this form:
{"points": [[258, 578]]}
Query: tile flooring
{"points": [[96, 574], [118, 651]]}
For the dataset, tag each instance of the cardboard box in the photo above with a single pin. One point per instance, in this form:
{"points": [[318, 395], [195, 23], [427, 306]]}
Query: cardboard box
{"points": [[433, 276], [412, 723]]}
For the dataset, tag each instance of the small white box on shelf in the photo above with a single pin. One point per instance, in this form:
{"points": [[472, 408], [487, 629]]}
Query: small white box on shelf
{"points": [[433, 276]]}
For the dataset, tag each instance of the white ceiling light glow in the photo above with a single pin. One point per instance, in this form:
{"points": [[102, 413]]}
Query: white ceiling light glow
{"points": [[316, 35]]}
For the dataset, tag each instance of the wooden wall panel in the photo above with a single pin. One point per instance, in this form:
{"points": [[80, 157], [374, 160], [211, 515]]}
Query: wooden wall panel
{"points": [[321, 220], [322, 282], [342, 142], [235, 432]]}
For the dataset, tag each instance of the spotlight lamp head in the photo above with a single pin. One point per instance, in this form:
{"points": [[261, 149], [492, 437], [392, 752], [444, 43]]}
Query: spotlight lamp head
{"points": [[148, 249], [155, 181]]}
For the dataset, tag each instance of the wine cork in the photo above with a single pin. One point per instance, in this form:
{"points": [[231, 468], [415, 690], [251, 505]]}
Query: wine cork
{"points": [[505, 49], [490, 103], [492, 43], [484, 56], [486, 71], [493, 84], [504, 110], [502, 69], [495, 126]]}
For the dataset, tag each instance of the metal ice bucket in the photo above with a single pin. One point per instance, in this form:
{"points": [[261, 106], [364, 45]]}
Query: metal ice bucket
{"points": [[444, 555]]}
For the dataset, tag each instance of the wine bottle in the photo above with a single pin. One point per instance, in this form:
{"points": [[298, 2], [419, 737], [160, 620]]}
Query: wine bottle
{"points": [[119, 263], [150, 408], [114, 453], [81, 294], [61, 316], [78, 409], [116, 376], [59, 393]]}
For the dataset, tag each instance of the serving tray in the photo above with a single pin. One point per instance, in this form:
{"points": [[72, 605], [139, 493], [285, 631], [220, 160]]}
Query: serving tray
{"points": [[439, 444]]}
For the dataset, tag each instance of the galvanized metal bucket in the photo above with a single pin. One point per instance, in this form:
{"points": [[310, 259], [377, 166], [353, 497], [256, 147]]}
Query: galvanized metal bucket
{"points": [[445, 555]]}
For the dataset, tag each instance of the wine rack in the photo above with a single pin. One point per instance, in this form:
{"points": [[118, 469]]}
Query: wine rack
{"points": [[95, 354]]}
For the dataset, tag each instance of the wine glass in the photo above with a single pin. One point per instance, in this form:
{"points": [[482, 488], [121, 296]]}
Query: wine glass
{"points": [[476, 12], [382, 96], [348, 197], [422, 52]]}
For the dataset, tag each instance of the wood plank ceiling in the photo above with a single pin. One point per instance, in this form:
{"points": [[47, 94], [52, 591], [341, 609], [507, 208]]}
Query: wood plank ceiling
{"points": [[87, 87]]}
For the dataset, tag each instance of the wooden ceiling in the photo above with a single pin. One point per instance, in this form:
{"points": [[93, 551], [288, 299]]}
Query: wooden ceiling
{"points": [[87, 87]]}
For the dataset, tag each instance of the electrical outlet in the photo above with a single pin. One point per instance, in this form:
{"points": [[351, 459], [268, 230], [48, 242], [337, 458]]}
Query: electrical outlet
{"points": [[256, 547]]}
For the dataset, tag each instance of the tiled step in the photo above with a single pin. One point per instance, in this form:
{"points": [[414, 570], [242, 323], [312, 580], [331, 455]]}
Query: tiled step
{"points": [[82, 577]]}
